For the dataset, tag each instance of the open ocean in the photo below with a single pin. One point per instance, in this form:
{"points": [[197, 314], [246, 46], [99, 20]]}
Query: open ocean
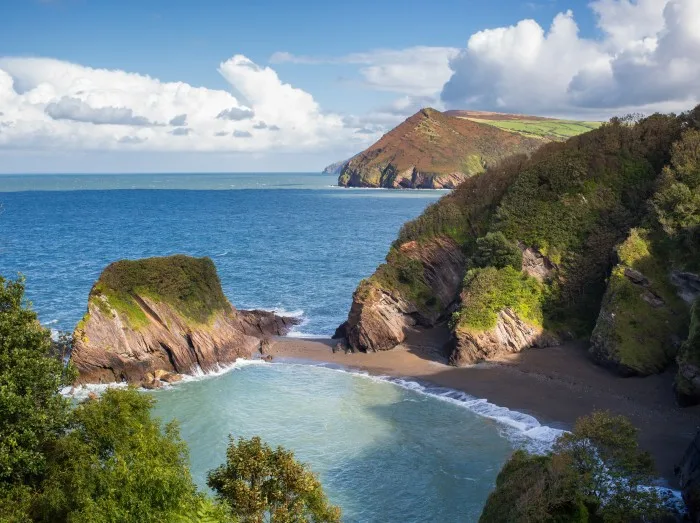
{"points": [[385, 450]]}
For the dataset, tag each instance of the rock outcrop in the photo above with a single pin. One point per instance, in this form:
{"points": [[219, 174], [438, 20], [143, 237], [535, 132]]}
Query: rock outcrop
{"points": [[511, 335], [641, 318], [148, 319], [431, 150], [380, 315], [688, 377], [688, 474]]}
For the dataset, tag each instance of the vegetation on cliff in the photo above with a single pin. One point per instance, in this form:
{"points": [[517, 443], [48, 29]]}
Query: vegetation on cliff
{"points": [[594, 473], [190, 285], [574, 208], [432, 150], [106, 459]]}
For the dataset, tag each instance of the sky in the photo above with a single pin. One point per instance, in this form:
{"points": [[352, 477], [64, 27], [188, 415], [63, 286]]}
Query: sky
{"points": [[164, 86]]}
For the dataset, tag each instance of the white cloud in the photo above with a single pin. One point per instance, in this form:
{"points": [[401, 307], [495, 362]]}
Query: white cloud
{"points": [[49, 104], [647, 59], [414, 71]]}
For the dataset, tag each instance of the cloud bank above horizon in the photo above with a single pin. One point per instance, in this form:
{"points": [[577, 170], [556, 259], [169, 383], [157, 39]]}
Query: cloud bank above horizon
{"points": [[646, 59]]}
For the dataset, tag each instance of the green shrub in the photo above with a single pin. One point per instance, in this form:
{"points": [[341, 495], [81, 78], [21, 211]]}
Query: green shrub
{"points": [[494, 250], [594, 473], [488, 291], [190, 285]]}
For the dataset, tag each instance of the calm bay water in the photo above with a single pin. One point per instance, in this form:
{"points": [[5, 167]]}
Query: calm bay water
{"points": [[280, 241]]}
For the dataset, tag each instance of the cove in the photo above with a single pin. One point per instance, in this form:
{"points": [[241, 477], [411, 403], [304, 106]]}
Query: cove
{"points": [[383, 452]]}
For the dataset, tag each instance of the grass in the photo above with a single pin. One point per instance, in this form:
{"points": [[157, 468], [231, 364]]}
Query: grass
{"points": [[557, 130], [190, 285], [489, 291], [640, 334]]}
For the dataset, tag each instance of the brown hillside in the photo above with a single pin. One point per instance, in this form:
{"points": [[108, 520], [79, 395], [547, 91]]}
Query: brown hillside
{"points": [[433, 150]]}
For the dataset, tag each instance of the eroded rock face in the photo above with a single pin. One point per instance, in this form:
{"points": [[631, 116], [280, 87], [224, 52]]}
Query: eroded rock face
{"points": [[688, 474], [511, 335], [379, 317], [537, 265], [108, 346]]}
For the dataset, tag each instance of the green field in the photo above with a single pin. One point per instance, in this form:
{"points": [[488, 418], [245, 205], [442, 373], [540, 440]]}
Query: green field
{"points": [[550, 129]]}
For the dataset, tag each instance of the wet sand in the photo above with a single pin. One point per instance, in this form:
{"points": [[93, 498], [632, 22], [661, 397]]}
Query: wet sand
{"points": [[556, 385]]}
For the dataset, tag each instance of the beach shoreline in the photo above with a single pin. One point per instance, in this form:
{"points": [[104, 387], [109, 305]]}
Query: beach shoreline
{"points": [[556, 385]]}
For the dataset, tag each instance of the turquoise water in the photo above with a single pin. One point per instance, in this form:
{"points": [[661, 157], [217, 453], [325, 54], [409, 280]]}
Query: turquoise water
{"points": [[383, 453]]}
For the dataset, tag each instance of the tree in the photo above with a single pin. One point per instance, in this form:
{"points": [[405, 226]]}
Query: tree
{"points": [[494, 250], [264, 484], [594, 473], [612, 471], [117, 464], [33, 415]]}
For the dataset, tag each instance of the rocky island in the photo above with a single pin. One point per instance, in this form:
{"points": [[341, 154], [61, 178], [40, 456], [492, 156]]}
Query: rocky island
{"points": [[153, 319]]}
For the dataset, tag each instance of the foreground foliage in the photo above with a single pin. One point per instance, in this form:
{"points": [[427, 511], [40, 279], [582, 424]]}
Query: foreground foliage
{"points": [[107, 460], [264, 484], [33, 416], [595, 473]]}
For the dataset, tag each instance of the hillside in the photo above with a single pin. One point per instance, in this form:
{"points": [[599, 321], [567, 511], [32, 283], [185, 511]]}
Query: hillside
{"points": [[596, 238], [432, 150], [532, 126]]}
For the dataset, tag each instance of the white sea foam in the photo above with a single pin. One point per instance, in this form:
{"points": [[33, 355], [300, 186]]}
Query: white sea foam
{"points": [[294, 333], [82, 392]]}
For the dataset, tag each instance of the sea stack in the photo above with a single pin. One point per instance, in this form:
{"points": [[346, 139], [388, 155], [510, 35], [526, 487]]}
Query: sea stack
{"points": [[153, 318]]}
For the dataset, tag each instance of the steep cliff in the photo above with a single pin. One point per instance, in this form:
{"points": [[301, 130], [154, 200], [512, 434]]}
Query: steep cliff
{"points": [[548, 245], [642, 318], [433, 151], [156, 315]]}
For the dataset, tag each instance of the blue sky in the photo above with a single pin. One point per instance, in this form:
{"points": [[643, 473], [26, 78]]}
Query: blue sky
{"points": [[185, 40], [100, 85]]}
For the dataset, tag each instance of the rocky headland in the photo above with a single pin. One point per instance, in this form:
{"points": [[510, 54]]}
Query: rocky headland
{"points": [[431, 150], [150, 320], [592, 239]]}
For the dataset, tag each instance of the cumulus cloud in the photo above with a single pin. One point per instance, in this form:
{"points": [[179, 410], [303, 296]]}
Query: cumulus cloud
{"points": [[648, 58], [260, 125], [56, 105], [242, 134], [236, 114]]}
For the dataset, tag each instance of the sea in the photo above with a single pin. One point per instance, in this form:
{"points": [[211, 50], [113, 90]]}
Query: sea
{"points": [[386, 450]]}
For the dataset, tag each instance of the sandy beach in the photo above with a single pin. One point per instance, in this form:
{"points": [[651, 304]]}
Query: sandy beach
{"points": [[556, 385]]}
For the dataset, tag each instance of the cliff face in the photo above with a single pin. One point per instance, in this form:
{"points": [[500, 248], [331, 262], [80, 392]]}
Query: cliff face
{"points": [[433, 151], [551, 246], [164, 314], [688, 473], [428, 275], [642, 318]]}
